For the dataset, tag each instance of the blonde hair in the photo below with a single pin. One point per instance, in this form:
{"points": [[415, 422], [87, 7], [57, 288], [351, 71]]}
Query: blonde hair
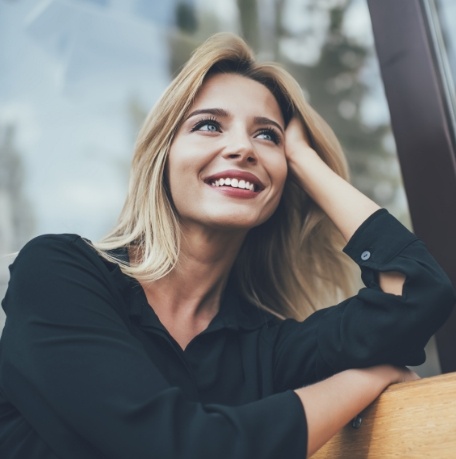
{"points": [[292, 264]]}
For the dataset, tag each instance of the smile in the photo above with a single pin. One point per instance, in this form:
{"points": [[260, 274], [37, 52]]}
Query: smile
{"points": [[234, 183], [236, 179]]}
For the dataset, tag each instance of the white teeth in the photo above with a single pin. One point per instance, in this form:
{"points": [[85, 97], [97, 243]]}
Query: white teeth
{"points": [[235, 183]]}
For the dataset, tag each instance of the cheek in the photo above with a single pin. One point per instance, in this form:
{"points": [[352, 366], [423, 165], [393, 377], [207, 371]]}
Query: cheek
{"points": [[174, 177], [177, 164], [278, 174], [280, 171]]}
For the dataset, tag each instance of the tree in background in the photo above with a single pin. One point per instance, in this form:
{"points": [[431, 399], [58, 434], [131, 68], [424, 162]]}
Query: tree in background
{"points": [[16, 222], [333, 80], [336, 88]]}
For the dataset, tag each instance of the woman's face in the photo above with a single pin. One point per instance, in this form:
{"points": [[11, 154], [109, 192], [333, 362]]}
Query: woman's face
{"points": [[227, 165]]}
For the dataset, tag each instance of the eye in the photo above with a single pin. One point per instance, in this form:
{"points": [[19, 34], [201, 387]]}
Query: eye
{"points": [[208, 125], [270, 135]]}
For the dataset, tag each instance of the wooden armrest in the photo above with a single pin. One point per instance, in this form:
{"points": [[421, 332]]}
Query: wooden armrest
{"points": [[409, 420]]}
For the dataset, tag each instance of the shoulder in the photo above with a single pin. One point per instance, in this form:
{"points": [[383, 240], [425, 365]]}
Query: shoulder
{"points": [[50, 241], [54, 251], [54, 270]]}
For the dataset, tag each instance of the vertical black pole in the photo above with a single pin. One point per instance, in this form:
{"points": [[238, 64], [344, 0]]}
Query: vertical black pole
{"points": [[424, 135]]}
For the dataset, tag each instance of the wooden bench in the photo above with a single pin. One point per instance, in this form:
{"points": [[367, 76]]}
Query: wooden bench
{"points": [[409, 420]]}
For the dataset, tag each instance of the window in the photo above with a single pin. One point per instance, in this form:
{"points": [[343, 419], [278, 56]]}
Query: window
{"points": [[415, 51], [78, 77]]}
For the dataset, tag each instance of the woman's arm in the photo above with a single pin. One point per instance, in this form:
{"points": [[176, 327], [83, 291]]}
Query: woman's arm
{"points": [[73, 367], [386, 322], [347, 207], [331, 404]]}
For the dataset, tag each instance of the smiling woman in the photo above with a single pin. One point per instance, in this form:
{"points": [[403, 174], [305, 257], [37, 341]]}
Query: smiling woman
{"points": [[285, 266], [181, 334], [233, 144]]}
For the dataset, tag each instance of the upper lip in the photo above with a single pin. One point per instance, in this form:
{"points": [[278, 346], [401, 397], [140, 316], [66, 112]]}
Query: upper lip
{"points": [[237, 174]]}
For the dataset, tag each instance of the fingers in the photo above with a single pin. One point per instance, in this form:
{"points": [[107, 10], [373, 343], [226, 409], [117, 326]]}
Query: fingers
{"points": [[393, 374], [296, 139], [403, 374], [409, 375], [296, 132]]}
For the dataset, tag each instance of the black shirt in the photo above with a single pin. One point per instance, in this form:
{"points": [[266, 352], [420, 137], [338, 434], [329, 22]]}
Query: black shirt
{"points": [[88, 371]]}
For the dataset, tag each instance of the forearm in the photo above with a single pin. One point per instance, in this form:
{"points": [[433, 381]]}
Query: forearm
{"points": [[343, 204], [330, 404], [346, 206]]}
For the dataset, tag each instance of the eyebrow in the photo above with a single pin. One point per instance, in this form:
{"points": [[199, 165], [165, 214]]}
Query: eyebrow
{"points": [[220, 112], [265, 121]]}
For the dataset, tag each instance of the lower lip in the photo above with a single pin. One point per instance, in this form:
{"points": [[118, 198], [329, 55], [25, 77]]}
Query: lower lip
{"points": [[235, 192]]}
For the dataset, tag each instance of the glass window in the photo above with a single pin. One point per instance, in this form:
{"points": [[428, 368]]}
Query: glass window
{"points": [[440, 15], [78, 77]]}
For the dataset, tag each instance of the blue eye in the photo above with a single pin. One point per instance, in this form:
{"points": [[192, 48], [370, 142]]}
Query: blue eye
{"points": [[208, 125], [270, 135]]}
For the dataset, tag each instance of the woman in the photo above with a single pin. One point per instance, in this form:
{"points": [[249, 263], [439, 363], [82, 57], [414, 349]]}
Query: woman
{"points": [[167, 338]]}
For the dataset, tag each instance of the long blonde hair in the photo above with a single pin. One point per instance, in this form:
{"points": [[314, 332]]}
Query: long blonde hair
{"points": [[292, 264]]}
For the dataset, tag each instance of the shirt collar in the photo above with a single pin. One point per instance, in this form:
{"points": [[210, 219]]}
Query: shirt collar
{"points": [[235, 313], [238, 314]]}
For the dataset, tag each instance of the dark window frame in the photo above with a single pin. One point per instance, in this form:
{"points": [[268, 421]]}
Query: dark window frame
{"points": [[423, 127]]}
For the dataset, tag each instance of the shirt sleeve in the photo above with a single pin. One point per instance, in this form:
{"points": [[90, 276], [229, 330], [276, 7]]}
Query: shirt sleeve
{"points": [[84, 383], [372, 327]]}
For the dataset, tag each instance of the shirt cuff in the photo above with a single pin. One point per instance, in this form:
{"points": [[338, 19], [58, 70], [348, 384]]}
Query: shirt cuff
{"points": [[378, 240]]}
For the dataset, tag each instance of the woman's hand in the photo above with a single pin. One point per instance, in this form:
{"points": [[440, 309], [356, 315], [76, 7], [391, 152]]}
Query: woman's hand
{"points": [[393, 375], [296, 142], [330, 404], [345, 205]]}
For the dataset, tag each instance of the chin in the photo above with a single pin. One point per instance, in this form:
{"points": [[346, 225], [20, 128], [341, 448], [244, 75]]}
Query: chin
{"points": [[226, 219], [238, 222]]}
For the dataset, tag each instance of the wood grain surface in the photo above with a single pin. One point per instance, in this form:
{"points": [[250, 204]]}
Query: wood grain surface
{"points": [[409, 420]]}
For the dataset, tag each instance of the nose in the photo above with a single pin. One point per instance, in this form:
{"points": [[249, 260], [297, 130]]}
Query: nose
{"points": [[239, 147]]}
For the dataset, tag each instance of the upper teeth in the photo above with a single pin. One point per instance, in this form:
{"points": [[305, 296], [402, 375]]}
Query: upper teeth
{"points": [[235, 183]]}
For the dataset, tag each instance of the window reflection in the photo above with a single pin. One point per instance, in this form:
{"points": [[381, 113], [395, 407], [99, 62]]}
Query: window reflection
{"points": [[78, 77], [441, 16]]}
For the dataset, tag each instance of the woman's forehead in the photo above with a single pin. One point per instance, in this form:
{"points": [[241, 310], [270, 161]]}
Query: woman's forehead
{"points": [[235, 93]]}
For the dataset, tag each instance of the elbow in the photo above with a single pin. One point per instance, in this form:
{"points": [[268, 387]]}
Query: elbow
{"points": [[431, 296], [445, 299]]}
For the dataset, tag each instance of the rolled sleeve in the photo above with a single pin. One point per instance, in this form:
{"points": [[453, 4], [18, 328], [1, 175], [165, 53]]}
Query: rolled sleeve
{"points": [[376, 243], [375, 327]]}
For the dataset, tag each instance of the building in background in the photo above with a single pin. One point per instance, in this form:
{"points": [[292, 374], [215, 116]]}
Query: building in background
{"points": [[78, 77], [16, 221]]}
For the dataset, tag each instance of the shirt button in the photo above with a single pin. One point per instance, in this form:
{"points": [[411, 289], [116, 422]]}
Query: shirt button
{"points": [[365, 255]]}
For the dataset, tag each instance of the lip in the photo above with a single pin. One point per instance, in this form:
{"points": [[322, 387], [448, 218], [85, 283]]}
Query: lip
{"points": [[237, 174]]}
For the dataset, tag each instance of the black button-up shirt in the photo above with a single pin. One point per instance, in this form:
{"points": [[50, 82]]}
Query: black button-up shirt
{"points": [[88, 371]]}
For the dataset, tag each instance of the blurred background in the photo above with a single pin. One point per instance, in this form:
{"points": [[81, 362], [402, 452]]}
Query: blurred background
{"points": [[77, 78]]}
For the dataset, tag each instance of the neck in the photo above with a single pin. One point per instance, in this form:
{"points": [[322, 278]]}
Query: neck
{"points": [[188, 298], [195, 286]]}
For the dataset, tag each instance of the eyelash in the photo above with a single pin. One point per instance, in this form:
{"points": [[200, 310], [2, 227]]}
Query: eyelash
{"points": [[205, 121], [275, 137], [271, 132]]}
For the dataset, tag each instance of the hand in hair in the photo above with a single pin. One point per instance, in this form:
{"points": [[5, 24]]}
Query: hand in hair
{"points": [[346, 206]]}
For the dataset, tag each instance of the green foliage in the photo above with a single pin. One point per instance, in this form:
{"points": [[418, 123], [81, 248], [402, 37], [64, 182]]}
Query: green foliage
{"points": [[333, 81], [17, 220]]}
